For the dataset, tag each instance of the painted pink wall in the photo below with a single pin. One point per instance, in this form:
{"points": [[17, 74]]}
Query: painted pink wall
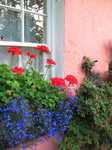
{"points": [[88, 25], [46, 144]]}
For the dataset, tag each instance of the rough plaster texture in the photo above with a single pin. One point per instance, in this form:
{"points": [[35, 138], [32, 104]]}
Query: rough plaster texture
{"points": [[88, 26]]}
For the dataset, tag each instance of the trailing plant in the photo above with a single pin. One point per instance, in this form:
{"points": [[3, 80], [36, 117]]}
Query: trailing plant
{"points": [[109, 72], [87, 65], [92, 125], [19, 123], [110, 64], [110, 68], [96, 111]]}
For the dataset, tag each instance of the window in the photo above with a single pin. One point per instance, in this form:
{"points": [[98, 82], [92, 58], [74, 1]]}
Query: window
{"points": [[23, 20], [24, 23]]}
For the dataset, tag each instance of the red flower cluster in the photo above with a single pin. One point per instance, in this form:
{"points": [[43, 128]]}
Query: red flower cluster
{"points": [[18, 70], [56, 81], [71, 79], [14, 51], [28, 53], [31, 55], [42, 48], [50, 61]]}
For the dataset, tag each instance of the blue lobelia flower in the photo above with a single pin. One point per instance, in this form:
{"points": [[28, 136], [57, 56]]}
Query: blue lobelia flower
{"points": [[16, 127]]}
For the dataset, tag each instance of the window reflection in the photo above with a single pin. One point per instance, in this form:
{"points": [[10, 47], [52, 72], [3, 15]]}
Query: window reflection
{"points": [[12, 3], [34, 22], [6, 58], [36, 5], [10, 25], [34, 28]]}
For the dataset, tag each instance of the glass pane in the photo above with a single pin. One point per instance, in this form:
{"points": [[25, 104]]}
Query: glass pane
{"points": [[35, 5], [10, 25], [35, 63], [35, 28], [12, 3], [2, 2], [6, 58]]}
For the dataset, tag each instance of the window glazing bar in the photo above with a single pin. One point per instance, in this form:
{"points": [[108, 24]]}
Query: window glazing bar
{"points": [[10, 8], [19, 9], [22, 21], [34, 12]]}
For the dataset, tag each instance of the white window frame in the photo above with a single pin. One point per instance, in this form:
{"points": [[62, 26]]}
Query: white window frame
{"points": [[56, 35], [22, 10]]}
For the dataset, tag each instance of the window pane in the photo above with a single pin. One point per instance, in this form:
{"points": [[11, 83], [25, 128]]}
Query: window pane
{"points": [[12, 3], [35, 63], [35, 26], [35, 5], [10, 25], [6, 58], [2, 2]]}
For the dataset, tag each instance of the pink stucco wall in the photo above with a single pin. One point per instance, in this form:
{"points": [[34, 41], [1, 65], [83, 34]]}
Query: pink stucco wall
{"points": [[88, 26], [45, 144]]}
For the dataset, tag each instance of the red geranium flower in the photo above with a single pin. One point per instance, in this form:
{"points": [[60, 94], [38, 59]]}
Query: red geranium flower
{"points": [[18, 70], [42, 48], [28, 53], [57, 81], [50, 61], [15, 51], [71, 79], [31, 55]]}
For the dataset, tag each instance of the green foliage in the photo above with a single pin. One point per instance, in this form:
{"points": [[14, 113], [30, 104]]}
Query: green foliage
{"points": [[70, 141], [110, 68], [109, 47], [87, 65], [92, 126], [31, 85], [96, 111], [39, 37]]}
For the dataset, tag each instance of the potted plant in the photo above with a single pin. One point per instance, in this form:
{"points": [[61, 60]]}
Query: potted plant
{"points": [[34, 111]]}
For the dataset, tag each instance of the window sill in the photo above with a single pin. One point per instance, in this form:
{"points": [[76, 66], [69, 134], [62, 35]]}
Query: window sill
{"points": [[20, 44]]}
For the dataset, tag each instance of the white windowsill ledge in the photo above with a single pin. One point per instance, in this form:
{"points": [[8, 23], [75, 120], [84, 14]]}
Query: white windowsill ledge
{"points": [[20, 44]]}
